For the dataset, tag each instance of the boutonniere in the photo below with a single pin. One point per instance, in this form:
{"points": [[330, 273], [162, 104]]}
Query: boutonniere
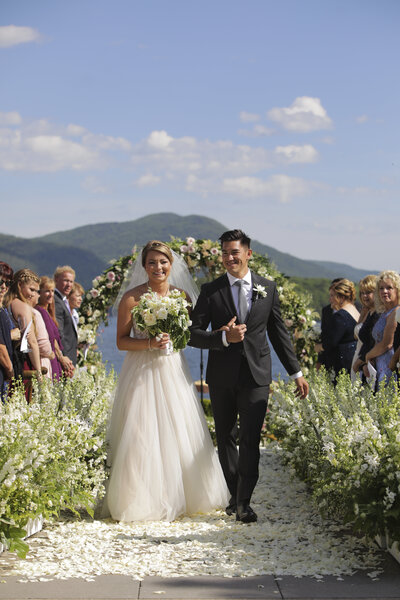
{"points": [[259, 291]]}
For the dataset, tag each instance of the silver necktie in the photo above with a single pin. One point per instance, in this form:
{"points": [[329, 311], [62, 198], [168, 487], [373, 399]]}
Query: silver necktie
{"points": [[243, 306]]}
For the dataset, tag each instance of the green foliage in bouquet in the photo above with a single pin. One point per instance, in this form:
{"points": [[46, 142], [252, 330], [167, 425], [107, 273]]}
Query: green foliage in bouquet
{"points": [[156, 314], [52, 451], [344, 441]]}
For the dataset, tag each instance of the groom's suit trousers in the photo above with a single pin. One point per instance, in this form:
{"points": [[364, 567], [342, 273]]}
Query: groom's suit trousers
{"points": [[245, 399]]}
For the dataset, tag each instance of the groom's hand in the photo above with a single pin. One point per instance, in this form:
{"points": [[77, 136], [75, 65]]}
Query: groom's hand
{"points": [[235, 333]]}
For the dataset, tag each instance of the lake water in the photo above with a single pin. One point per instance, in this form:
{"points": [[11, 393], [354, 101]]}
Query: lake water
{"points": [[114, 357]]}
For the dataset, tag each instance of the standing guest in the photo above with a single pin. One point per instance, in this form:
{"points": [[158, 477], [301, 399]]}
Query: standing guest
{"points": [[326, 358], [387, 297], [393, 365], [367, 297], [9, 334], [241, 307], [339, 339], [363, 329], [75, 298], [46, 308], [6, 351], [64, 278], [25, 287]]}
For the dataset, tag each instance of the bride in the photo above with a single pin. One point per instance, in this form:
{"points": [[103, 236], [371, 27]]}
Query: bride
{"points": [[163, 462]]}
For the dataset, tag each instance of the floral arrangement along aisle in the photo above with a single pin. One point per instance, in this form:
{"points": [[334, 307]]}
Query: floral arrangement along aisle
{"points": [[52, 452], [203, 258], [344, 441]]}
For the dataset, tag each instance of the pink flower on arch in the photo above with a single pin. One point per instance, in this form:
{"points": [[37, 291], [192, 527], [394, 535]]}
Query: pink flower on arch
{"points": [[94, 293], [111, 276]]}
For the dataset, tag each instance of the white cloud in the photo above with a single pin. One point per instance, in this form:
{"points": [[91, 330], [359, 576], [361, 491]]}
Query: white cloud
{"points": [[10, 118], [278, 187], [75, 130], [148, 180], [106, 142], [298, 154], [362, 119], [42, 146], [305, 114], [52, 153], [257, 131], [11, 35], [247, 117], [160, 140]]}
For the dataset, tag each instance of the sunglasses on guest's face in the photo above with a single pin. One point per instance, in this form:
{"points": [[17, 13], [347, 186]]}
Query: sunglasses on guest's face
{"points": [[6, 282]]}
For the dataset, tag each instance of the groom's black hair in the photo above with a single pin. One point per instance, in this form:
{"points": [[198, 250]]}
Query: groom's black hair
{"points": [[234, 235]]}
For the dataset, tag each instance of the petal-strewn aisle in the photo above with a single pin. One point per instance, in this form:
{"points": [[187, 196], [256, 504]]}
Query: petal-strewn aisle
{"points": [[289, 539]]}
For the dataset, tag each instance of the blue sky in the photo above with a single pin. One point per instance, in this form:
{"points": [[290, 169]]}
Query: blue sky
{"points": [[280, 117]]}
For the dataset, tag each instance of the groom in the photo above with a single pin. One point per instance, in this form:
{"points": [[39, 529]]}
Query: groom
{"points": [[242, 308]]}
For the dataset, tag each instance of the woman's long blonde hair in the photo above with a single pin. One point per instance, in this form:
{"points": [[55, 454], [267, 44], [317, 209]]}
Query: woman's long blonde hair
{"points": [[21, 276]]}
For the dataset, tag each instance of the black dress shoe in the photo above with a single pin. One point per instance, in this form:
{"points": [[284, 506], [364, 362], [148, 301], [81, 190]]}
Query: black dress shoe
{"points": [[245, 514], [231, 508]]}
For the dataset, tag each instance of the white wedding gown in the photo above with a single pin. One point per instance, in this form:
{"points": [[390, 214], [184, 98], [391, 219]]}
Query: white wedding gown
{"points": [[163, 462]]}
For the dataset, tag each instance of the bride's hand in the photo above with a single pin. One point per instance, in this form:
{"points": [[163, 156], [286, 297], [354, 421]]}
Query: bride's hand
{"points": [[159, 342]]}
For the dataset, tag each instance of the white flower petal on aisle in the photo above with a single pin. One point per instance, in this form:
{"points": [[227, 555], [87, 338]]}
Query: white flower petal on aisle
{"points": [[290, 538]]}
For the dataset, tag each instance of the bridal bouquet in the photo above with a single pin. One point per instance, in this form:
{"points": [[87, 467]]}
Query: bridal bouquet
{"points": [[164, 314]]}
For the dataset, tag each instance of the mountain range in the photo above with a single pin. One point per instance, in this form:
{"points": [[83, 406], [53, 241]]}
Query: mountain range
{"points": [[90, 248]]}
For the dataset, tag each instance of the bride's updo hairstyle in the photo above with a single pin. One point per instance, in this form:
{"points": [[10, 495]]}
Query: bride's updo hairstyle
{"points": [[156, 246]]}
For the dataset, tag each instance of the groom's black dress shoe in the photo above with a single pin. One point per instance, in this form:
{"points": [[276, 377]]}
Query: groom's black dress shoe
{"points": [[231, 508], [245, 514]]}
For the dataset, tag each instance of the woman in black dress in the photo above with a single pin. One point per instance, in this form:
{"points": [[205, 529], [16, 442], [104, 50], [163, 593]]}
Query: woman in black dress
{"points": [[338, 339]]}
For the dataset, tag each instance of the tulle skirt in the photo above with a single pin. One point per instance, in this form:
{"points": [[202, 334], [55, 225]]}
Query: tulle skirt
{"points": [[163, 462]]}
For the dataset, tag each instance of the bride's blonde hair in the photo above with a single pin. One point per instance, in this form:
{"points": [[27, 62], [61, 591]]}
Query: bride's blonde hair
{"points": [[156, 246]]}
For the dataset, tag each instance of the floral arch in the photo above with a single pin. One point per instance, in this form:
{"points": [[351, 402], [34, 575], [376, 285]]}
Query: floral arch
{"points": [[203, 258]]}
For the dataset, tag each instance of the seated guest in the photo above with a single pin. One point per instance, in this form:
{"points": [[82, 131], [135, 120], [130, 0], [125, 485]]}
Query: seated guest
{"points": [[64, 278], [363, 330], [23, 289], [387, 299], [75, 300], [339, 339], [46, 308]]}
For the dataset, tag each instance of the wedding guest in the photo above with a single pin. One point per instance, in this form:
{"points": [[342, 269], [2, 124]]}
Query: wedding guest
{"points": [[10, 333], [64, 278], [387, 298], [363, 329], [75, 298], [45, 349], [6, 351], [24, 287], [394, 362], [46, 308], [339, 340], [326, 358]]}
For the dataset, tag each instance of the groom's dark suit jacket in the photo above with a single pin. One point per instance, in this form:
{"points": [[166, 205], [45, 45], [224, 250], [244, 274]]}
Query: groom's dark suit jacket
{"points": [[216, 306], [68, 333]]}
